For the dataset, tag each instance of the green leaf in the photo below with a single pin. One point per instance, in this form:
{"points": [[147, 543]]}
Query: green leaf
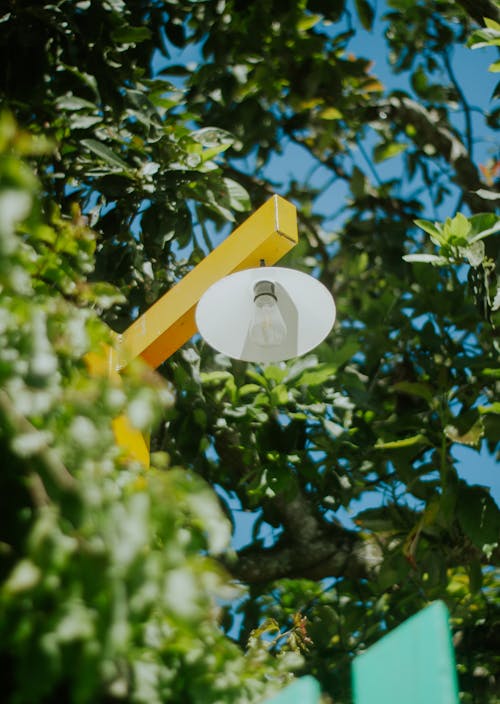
{"points": [[423, 258], [492, 24], [131, 35], [401, 444], [485, 194], [117, 5], [105, 153], [388, 150], [488, 36], [307, 22], [358, 183], [432, 229], [317, 376], [474, 253], [299, 366], [83, 122], [472, 437], [419, 389], [14, 206], [366, 13], [333, 429], [24, 577], [340, 355], [258, 378], [277, 374], [279, 395], [494, 408], [478, 515], [239, 199], [459, 226], [74, 103], [330, 114], [495, 373], [215, 378], [483, 222], [212, 137], [378, 519], [104, 294], [249, 389], [419, 80], [211, 152], [86, 78], [483, 233]]}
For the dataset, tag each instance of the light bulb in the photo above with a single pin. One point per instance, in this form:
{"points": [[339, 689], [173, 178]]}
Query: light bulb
{"points": [[267, 327]]}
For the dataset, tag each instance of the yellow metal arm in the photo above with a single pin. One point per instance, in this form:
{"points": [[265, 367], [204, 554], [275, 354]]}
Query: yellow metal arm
{"points": [[268, 234]]}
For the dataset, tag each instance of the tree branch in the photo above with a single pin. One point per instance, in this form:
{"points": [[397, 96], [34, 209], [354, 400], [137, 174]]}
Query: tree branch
{"points": [[405, 111], [461, 96], [333, 553], [46, 457], [309, 547], [312, 548]]}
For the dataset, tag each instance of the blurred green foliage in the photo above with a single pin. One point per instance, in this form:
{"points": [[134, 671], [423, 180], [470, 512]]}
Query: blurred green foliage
{"points": [[109, 586]]}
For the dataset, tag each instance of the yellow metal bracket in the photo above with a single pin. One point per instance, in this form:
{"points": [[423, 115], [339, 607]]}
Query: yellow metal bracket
{"points": [[268, 234]]}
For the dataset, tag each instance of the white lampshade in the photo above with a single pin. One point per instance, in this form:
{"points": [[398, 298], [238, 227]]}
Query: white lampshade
{"points": [[225, 312]]}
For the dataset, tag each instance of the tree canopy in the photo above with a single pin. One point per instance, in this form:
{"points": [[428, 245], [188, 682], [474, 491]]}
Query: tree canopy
{"points": [[134, 135]]}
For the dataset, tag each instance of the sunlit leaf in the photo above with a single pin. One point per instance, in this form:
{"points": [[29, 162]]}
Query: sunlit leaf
{"points": [[494, 407], [307, 22], [330, 114], [316, 376], [487, 195], [432, 229], [385, 151], [418, 389], [418, 439], [471, 437], [239, 199], [426, 259], [105, 153]]}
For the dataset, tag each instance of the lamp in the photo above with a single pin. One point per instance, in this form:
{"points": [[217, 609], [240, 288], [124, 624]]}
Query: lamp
{"points": [[266, 314], [267, 327]]}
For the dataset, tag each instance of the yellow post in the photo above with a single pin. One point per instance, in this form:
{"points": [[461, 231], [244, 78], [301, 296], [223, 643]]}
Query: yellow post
{"points": [[131, 440], [266, 235]]}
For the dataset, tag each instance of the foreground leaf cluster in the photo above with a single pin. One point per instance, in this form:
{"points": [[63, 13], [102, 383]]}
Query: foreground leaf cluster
{"points": [[108, 591]]}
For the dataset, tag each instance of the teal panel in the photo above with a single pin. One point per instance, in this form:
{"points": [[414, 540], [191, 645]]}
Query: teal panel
{"points": [[303, 691], [413, 664]]}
